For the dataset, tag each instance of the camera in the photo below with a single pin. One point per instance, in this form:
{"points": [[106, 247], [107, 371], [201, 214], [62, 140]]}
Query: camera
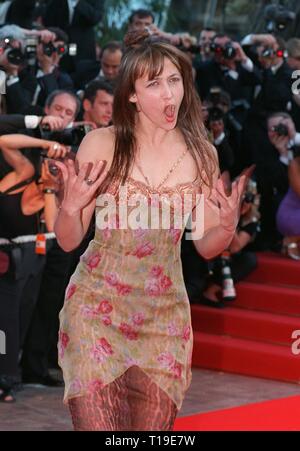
{"points": [[281, 130], [18, 56], [249, 198], [227, 52], [269, 53], [215, 114], [277, 18], [69, 136], [14, 55], [64, 49], [193, 48]]}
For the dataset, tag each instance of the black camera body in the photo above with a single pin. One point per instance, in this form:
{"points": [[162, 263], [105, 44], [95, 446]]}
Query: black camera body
{"points": [[69, 136], [228, 51], [281, 130], [249, 197], [277, 18], [268, 52], [18, 56], [64, 49]]}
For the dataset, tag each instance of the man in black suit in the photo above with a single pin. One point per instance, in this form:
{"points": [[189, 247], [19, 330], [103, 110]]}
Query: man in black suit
{"points": [[230, 69], [27, 88], [77, 18]]}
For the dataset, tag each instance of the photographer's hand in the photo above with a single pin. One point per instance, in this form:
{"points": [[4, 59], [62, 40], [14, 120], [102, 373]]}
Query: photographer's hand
{"points": [[281, 144], [45, 35], [240, 54], [80, 189], [53, 122], [54, 149], [268, 40], [291, 127]]}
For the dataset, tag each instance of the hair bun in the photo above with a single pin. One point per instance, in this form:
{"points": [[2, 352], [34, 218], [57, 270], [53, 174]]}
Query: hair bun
{"points": [[136, 37]]}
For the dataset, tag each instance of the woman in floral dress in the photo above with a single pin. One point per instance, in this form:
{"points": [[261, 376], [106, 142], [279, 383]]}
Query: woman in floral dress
{"points": [[125, 342]]}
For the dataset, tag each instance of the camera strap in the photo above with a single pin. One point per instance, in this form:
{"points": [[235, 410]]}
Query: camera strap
{"points": [[17, 186]]}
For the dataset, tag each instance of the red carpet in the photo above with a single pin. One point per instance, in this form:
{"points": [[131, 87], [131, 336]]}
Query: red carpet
{"points": [[279, 415], [253, 335]]}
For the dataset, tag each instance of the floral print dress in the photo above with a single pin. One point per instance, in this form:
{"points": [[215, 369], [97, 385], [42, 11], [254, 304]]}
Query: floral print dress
{"points": [[126, 304]]}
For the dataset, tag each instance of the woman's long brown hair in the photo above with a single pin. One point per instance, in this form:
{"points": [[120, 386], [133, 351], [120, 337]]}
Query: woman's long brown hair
{"points": [[148, 58]]}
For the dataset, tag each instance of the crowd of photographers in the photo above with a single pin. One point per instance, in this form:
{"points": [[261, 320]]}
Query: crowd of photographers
{"points": [[57, 85]]}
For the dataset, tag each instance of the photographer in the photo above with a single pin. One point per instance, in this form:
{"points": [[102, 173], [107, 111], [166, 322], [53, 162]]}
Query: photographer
{"points": [[239, 260], [230, 69], [63, 104], [34, 73], [206, 39], [27, 210], [216, 126], [49, 77], [12, 123], [203, 279], [78, 19], [293, 48], [38, 346], [272, 173]]}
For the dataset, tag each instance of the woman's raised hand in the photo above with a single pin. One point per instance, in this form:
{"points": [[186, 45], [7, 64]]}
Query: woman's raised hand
{"points": [[229, 205], [80, 189]]}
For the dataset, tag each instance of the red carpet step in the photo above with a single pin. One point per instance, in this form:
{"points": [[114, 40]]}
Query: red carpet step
{"points": [[248, 324], [270, 298], [278, 415], [276, 269], [253, 335], [240, 356]]}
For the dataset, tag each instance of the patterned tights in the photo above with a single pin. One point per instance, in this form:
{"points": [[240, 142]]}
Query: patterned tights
{"points": [[132, 402]]}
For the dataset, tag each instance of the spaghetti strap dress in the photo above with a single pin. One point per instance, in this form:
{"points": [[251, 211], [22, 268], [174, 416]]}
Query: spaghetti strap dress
{"points": [[126, 304]]}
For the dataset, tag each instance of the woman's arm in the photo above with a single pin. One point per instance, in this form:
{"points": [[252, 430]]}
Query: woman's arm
{"points": [[79, 200], [22, 168], [17, 141]]}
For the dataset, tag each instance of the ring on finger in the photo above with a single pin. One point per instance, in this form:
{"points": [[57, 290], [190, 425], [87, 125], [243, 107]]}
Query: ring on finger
{"points": [[56, 146], [89, 182]]}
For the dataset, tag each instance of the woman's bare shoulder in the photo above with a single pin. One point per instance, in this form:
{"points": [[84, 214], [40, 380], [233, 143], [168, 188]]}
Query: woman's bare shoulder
{"points": [[97, 145]]}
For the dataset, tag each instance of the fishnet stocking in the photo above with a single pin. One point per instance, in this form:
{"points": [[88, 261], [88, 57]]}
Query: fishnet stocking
{"points": [[132, 402]]}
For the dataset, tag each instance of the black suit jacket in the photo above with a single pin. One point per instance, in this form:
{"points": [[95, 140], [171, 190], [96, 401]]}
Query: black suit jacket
{"points": [[11, 123], [87, 14], [210, 74], [19, 95], [21, 13], [276, 91]]}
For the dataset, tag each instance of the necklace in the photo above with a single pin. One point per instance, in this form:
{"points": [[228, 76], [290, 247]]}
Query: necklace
{"points": [[167, 175]]}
